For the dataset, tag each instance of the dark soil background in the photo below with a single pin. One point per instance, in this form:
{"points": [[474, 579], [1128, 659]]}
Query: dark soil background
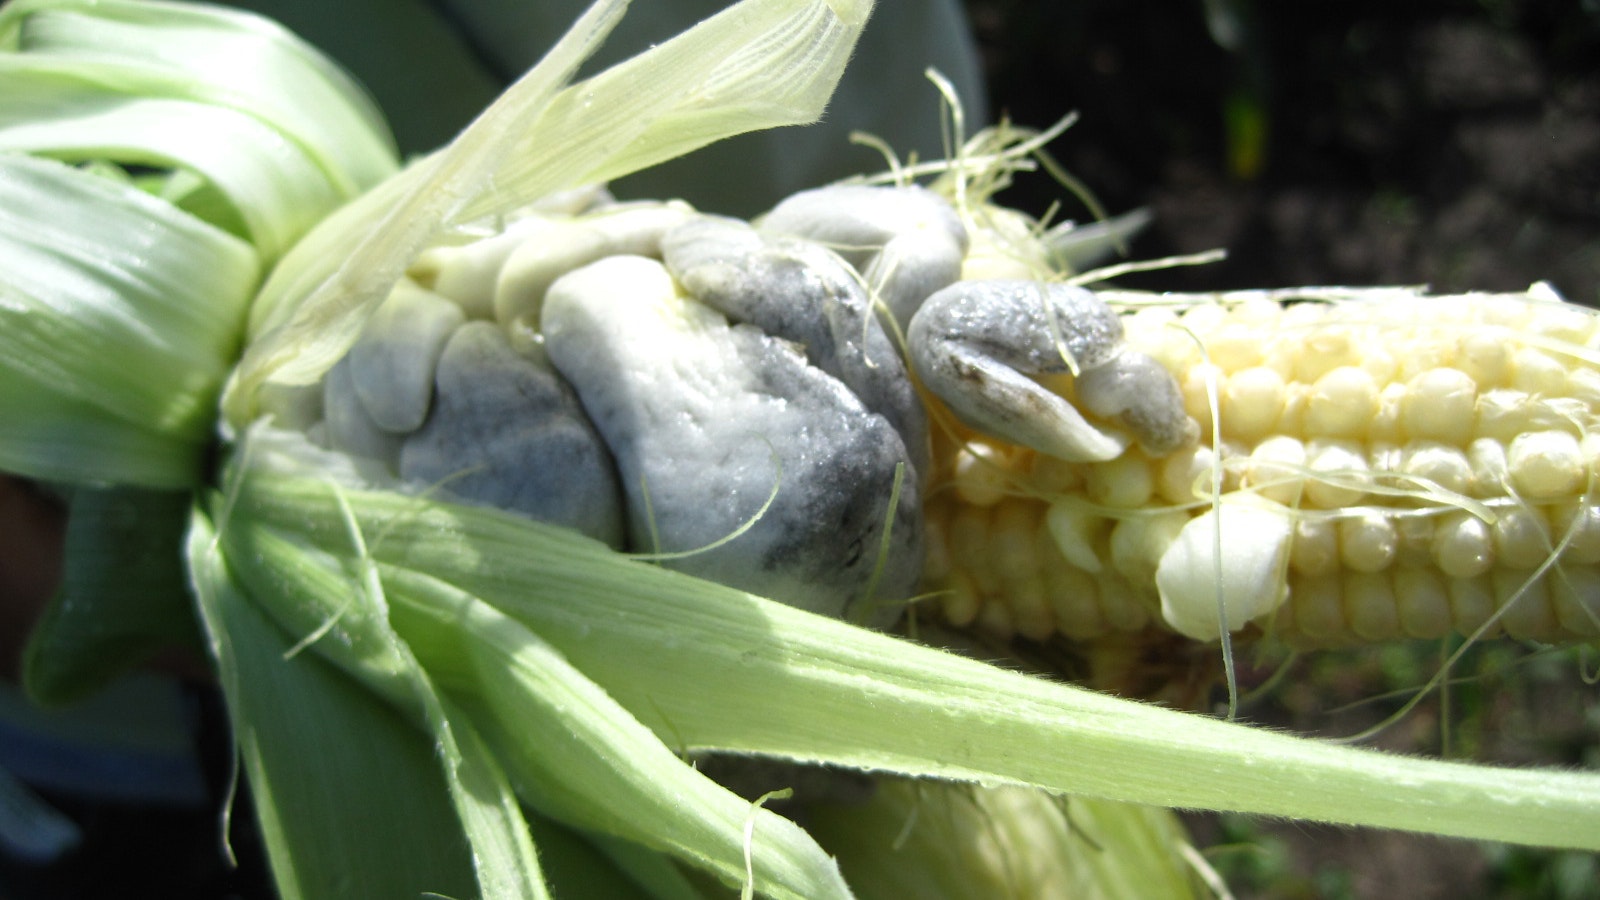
{"points": [[1449, 143]]}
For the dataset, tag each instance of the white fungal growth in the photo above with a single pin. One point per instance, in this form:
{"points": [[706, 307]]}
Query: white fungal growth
{"points": [[907, 242], [705, 419]]}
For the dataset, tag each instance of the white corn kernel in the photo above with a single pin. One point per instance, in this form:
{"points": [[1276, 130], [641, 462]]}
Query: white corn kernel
{"points": [[1521, 538], [1315, 550], [1341, 403], [1423, 603], [1438, 465], [1251, 402], [1367, 542], [1439, 404], [1525, 604], [1342, 474], [1471, 604], [1276, 469], [1463, 545], [980, 474], [1369, 604], [1546, 465], [1124, 483]]}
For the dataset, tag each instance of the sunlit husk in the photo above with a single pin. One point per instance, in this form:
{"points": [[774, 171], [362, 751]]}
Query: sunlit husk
{"points": [[120, 318], [935, 839]]}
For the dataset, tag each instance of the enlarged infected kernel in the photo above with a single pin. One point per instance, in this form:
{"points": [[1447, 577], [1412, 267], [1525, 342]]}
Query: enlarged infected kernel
{"points": [[1342, 403], [1463, 545], [1438, 404], [1251, 402], [1546, 465], [1367, 542]]}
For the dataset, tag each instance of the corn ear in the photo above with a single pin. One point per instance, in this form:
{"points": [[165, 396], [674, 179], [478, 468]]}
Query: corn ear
{"points": [[1374, 465]]}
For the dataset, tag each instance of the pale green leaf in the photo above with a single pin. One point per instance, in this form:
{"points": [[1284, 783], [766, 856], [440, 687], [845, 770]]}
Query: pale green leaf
{"points": [[58, 109], [222, 57], [119, 319], [575, 754], [371, 818], [344, 615]]}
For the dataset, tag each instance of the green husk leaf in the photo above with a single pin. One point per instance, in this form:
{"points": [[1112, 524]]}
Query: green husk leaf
{"points": [[795, 685], [355, 629], [63, 109], [124, 595], [936, 839], [574, 754], [588, 867], [347, 790], [777, 62], [221, 57], [119, 319]]}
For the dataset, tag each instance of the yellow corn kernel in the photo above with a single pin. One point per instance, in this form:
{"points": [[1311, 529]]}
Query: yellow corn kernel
{"points": [[1436, 459]]}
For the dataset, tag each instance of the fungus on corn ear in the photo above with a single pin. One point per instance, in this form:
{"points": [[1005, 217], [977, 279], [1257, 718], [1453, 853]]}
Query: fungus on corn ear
{"points": [[1372, 465]]}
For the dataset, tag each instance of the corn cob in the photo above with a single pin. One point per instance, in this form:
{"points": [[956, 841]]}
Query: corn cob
{"points": [[1395, 465]]}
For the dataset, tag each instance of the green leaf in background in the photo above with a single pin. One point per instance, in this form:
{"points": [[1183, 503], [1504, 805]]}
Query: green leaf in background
{"points": [[124, 596]]}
